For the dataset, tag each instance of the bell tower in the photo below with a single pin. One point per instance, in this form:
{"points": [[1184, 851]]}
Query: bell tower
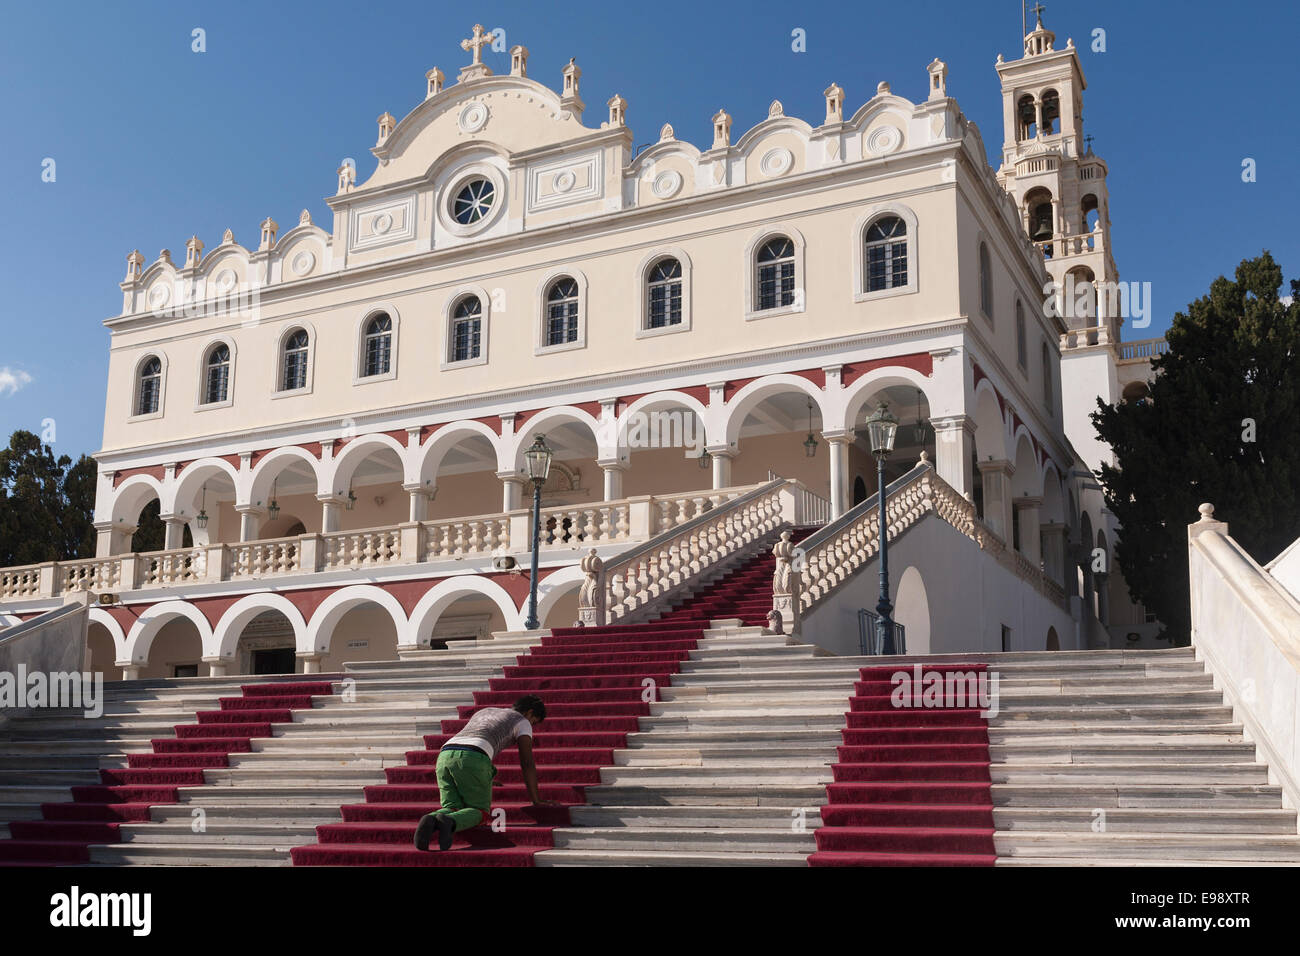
{"points": [[1059, 184]]}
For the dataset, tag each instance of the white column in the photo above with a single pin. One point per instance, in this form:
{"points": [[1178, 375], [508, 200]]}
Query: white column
{"points": [[613, 479], [173, 533], [954, 440], [103, 539], [420, 496], [839, 468], [1030, 546], [218, 666], [512, 490], [250, 522], [722, 467], [329, 516], [997, 497]]}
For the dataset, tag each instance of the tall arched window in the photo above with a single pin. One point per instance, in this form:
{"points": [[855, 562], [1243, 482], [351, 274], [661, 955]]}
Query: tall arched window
{"points": [[466, 329], [775, 274], [293, 365], [1051, 112], [561, 312], [1022, 349], [217, 384], [986, 282], [1027, 117], [664, 294], [378, 355], [1047, 378], [149, 390], [886, 240]]}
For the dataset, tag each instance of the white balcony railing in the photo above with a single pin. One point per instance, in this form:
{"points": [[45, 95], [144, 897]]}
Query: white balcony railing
{"points": [[565, 528]]}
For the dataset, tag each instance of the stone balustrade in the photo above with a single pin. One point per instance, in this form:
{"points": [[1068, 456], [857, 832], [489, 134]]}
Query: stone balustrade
{"points": [[676, 557], [809, 572], [563, 528]]}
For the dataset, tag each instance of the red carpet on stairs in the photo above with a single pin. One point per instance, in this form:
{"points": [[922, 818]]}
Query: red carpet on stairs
{"points": [[95, 813], [912, 785], [592, 682]]}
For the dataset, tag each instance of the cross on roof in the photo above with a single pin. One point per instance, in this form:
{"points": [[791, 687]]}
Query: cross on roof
{"points": [[477, 43], [1038, 9]]}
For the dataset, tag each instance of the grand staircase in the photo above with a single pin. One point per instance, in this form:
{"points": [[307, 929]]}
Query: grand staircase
{"points": [[692, 738]]}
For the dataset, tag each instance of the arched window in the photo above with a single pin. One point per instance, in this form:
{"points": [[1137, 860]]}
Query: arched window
{"points": [[466, 329], [293, 366], [775, 274], [149, 390], [986, 282], [664, 294], [217, 384], [378, 354], [1051, 112], [561, 312], [1047, 378], [1022, 349], [886, 246], [1027, 117]]}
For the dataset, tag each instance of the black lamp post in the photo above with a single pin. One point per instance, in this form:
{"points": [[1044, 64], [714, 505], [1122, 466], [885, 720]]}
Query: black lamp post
{"points": [[538, 457], [882, 427]]}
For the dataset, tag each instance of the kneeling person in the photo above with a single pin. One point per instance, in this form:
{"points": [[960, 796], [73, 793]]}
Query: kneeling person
{"points": [[465, 768]]}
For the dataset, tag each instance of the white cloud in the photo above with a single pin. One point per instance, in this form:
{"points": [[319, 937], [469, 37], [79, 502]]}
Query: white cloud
{"points": [[11, 380]]}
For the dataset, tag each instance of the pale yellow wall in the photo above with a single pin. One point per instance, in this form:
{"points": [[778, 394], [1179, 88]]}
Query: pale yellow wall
{"points": [[177, 642]]}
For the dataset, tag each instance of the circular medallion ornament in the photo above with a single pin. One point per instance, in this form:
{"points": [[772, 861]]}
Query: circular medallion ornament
{"points": [[473, 117], [225, 280], [667, 184], [776, 162], [565, 181], [383, 222], [302, 263], [884, 140], [159, 296]]}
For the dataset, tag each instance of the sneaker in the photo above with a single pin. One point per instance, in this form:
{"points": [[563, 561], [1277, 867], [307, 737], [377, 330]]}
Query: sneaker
{"points": [[429, 824], [446, 832]]}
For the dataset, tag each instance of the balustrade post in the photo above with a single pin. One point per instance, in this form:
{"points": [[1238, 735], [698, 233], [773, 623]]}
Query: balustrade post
{"points": [[787, 586], [218, 563], [591, 598], [641, 518], [411, 541], [311, 551], [520, 530], [131, 567], [49, 580]]}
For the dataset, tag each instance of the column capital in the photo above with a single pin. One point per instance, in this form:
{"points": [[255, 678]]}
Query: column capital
{"points": [[945, 423], [997, 466], [511, 476], [612, 464], [1028, 502], [249, 509], [839, 436]]}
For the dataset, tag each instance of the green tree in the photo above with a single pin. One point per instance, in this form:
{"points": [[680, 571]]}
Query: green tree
{"points": [[46, 503], [1222, 425]]}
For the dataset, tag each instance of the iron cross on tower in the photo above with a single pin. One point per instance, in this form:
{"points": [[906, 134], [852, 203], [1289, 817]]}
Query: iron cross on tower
{"points": [[477, 43]]}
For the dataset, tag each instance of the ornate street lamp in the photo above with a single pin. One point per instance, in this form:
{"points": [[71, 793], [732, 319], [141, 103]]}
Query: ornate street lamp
{"points": [[810, 443], [881, 428], [538, 458], [201, 519]]}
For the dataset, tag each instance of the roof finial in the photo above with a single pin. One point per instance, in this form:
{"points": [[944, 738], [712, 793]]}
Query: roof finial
{"points": [[475, 44]]}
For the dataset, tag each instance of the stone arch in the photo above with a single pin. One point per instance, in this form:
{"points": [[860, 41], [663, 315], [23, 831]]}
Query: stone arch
{"points": [[131, 496], [319, 633], [660, 403], [187, 490], [538, 424], [339, 472], [429, 456], [1028, 479], [856, 396], [99, 616], [225, 636], [149, 623], [552, 590], [273, 464], [425, 614], [752, 394], [990, 427], [912, 610]]}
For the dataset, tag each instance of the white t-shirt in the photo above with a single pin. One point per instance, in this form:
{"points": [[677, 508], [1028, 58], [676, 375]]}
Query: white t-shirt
{"points": [[492, 730]]}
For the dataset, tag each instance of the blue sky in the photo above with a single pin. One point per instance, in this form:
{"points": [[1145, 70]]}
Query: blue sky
{"points": [[153, 142]]}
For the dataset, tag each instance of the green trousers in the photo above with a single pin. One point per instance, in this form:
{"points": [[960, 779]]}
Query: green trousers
{"points": [[464, 787]]}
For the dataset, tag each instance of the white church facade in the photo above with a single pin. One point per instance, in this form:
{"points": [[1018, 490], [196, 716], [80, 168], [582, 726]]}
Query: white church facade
{"points": [[332, 420]]}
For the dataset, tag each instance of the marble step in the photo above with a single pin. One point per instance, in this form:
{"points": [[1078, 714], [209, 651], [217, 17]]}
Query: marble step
{"points": [[1146, 820]]}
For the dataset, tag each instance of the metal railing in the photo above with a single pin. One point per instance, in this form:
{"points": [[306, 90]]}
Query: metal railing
{"points": [[870, 641]]}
